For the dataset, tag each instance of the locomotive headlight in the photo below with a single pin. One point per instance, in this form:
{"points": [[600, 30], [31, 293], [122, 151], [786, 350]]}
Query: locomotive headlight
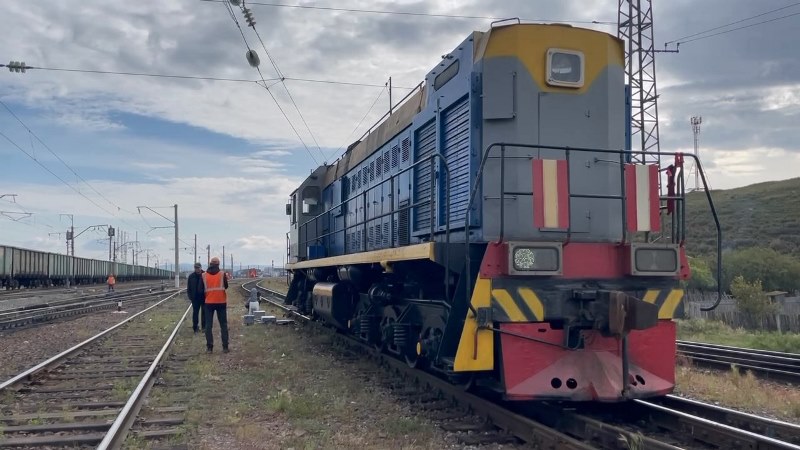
{"points": [[649, 260], [532, 260], [524, 259]]}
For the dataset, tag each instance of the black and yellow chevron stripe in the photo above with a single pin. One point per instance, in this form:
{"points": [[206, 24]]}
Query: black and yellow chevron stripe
{"points": [[512, 302], [668, 301]]}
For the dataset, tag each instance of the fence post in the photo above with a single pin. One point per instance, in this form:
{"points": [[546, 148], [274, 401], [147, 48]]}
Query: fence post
{"points": [[778, 322]]}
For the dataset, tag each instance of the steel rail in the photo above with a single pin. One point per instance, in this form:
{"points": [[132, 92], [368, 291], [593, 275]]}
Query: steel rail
{"points": [[711, 432], [46, 302], [119, 429], [764, 363], [773, 428], [59, 358], [520, 426], [8, 315], [742, 430], [72, 310]]}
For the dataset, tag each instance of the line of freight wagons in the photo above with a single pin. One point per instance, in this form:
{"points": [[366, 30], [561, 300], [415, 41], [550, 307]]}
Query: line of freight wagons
{"points": [[32, 268]]}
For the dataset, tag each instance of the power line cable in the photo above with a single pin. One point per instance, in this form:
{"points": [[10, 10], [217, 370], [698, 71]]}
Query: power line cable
{"points": [[681, 39], [739, 28], [280, 75], [380, 94], [53, 173], [410, 13], [233, 17], [64, 163], [138, 74], [31, 133], [208, 78]]}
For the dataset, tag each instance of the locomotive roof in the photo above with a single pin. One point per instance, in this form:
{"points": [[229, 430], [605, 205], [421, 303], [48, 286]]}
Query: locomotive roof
{"points": [[402, 116]]}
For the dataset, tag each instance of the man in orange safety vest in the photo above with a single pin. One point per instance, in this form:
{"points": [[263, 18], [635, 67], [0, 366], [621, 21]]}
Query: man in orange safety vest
{"points": [[215, 284], [111, 281]]}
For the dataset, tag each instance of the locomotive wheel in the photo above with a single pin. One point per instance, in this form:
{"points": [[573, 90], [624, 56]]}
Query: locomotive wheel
{"points": [[390, 314], [414, 361], [464, 381], [433, 326]]}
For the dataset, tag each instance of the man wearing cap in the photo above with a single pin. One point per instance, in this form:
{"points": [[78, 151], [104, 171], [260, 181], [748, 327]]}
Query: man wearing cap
{"points": [[215, 283], [197, 295]]}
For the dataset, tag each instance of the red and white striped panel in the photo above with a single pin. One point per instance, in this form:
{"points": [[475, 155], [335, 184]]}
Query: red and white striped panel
{"points": [[550, 194], [642, 204]]}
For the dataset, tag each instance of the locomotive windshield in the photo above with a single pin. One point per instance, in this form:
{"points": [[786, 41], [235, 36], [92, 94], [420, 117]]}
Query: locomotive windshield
{"points": [[564, 68]]}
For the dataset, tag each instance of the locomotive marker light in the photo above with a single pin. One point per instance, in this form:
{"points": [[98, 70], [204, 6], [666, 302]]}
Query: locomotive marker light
{"points": [[654, 260], [534, 259]]}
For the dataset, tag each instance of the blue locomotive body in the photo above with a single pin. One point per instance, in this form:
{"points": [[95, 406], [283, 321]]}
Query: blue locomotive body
{"points": [[496, 226]]}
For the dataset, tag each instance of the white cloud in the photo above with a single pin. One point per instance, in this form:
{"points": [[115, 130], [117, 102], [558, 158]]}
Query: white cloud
{"points": [[734, 168]]}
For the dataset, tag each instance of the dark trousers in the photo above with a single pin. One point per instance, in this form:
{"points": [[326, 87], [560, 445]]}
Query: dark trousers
{"points": [[222, 317], [197, 309]]}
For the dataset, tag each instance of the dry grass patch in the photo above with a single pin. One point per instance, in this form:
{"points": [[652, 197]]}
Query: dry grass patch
{"points": [[743, 391], [283, 386], [276, 284]]}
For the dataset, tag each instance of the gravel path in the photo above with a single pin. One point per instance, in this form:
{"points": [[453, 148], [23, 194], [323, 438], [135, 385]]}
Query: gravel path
{"points": [[26, 347]]}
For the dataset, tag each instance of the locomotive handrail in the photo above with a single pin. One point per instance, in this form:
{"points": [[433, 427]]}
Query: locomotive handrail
{"points": [[567, 149], [430, 158]]}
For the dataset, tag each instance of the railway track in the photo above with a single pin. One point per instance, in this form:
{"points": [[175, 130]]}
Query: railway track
{"points": [[45, 312], [670, 422], [777, 366], [13, 294], [90, 394]]}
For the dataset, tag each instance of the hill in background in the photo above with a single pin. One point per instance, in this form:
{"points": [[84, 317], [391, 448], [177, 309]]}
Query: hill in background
{"points": [[760, 215]]}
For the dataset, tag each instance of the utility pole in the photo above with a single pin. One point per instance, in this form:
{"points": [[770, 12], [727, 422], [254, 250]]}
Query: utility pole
{"points": [[111, 233], [195, 247], [70, 234], [177, 265], [696, 121], [208, 261], [390, 96], [174, 225], [223, 258]]}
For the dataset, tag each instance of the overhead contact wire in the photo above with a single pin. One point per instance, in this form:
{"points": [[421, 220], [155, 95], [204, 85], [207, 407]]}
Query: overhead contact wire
{"points": [[236, 21]]}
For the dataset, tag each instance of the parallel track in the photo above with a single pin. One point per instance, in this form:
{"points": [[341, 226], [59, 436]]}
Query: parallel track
{"points": [[771, 365], [25, 316], [70, 399], [556, 427]]}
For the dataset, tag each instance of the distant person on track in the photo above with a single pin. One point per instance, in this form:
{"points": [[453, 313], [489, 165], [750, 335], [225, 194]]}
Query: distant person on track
{"points": [[216, 300], [196, 292], [111, 282]]}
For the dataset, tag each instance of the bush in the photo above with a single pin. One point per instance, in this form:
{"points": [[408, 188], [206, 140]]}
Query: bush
{"points": [[702, 279], [751, 300], [776, 271]]}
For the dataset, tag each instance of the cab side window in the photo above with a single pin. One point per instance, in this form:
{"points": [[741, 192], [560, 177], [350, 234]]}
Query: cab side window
{"points": [[311, 200]]}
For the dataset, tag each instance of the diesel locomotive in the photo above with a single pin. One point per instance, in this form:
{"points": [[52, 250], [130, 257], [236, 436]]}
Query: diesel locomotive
{"points": [[496, 229]]}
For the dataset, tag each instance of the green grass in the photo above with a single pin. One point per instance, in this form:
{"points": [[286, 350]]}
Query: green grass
{"points": [[715, 332], [759, 215]]}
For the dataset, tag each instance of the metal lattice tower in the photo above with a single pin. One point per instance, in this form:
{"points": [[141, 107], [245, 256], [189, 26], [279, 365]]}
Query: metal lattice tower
{"points": [[696, 121], [635, 27]]}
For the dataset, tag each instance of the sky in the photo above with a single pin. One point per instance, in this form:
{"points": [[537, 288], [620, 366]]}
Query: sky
{"points": [[98, 146]]}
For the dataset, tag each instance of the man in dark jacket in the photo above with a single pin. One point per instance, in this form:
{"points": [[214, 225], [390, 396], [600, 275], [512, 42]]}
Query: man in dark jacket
{"points": [[196, 291]]}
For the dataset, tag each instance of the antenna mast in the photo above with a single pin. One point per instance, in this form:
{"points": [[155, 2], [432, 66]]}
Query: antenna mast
{"points": [[696, 121]]}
